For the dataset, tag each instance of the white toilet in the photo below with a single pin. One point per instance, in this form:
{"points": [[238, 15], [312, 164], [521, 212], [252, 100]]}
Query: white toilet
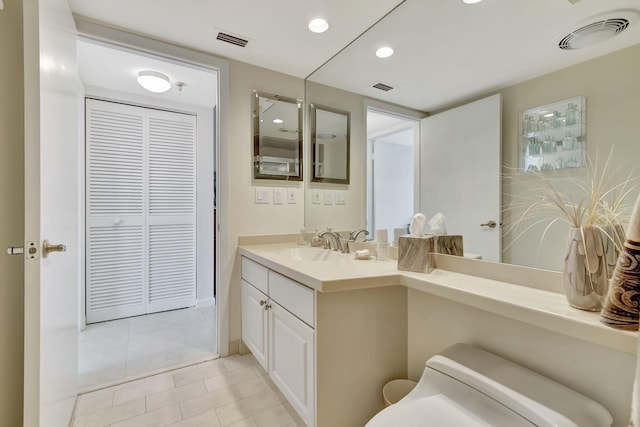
{"points": [[466, 386]]}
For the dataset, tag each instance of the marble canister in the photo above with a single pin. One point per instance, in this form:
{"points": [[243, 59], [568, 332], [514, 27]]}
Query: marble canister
{"points": [[623, 299], [415, 253]]}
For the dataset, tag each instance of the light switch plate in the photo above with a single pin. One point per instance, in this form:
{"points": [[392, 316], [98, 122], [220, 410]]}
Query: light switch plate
{"points": [[341, 197], [278, 196], [292, 196], [328, 197], [316, 196], [263, 195]]}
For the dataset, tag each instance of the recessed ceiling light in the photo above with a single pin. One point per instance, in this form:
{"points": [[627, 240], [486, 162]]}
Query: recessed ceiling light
{"points": [[278, 121], [384, 52], [471, 1], [318, 25], [154, 81]]}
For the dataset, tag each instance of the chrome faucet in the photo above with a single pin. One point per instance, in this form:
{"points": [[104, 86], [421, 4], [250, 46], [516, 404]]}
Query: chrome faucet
{"points": [[337, 245], [354, 234]]}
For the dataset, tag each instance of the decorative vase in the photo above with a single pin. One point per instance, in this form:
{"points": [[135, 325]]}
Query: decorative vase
{"points": [[585, 269], [621, 309]]}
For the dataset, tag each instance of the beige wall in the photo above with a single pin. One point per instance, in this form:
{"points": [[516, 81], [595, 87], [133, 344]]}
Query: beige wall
{"points": [[351, 216], [243, 216], [600, 373], [11, 212], [612, 88]]}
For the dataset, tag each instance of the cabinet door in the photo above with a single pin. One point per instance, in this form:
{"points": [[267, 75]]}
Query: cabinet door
{"points": [[254, 322], [291, 360]]}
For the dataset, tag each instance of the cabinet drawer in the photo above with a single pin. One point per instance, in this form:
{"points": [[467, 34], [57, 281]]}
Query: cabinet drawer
{"points": [[293, 296], [255, 274]]}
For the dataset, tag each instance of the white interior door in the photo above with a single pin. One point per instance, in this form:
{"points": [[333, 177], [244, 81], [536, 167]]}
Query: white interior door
{"points": [[51, 212], [460, 173]]}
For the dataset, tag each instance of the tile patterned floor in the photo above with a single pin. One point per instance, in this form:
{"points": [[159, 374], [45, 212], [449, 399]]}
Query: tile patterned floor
{"points": [[127, 348], [234, 391]]}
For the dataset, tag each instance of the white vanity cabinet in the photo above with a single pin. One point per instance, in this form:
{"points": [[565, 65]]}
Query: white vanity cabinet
{"points": [[278, 328]]}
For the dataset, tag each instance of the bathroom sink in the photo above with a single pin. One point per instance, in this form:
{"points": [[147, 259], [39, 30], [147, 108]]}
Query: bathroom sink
{"points": [[309, 254]]}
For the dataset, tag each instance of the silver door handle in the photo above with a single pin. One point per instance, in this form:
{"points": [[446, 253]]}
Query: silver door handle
{"points": [[48, 248], [490, 224]]}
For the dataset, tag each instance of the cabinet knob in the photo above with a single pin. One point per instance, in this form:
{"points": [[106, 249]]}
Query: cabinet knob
{"points": [[262, 302], [267, 307]]}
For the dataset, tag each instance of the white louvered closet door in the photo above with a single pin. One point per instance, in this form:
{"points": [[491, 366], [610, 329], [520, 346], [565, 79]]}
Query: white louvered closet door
{"points": [[140, 210]]}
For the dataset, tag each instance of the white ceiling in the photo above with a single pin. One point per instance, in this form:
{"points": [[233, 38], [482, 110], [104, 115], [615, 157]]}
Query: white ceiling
{"points": [[116, 69], [445, 51]]}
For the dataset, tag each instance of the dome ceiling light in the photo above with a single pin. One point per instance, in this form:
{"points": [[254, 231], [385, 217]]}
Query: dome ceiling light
{"points": [[154, 81]]}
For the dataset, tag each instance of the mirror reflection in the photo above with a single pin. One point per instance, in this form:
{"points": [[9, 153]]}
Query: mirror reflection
{"points": [[330, 144], [277, 137], [435, 69]]}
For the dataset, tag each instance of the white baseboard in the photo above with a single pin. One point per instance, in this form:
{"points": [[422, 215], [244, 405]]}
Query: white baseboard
{"points": [[205, 302]]}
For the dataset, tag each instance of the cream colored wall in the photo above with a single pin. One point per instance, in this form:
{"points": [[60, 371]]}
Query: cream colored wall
{"points": [[243, 216], [351, 216], [11, 213], [612, 88], [602, 374]]}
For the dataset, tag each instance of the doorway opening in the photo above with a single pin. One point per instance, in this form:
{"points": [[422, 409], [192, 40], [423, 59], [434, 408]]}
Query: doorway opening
{"points": [[392, 144], [126, 334]]}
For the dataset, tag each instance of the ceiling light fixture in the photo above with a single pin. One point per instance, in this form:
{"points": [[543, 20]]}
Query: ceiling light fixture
{"points": [[471, 1], [384, 52], [278, 121], [318, 25], [154, 81]]}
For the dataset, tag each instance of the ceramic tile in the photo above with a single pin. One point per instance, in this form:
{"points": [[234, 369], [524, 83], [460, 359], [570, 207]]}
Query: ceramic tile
{"points": [[235, 362], [207, 419], [245, 407], [153, 385], [257, 385], [203, 371], [231, 378], [111, 414], [175, 395], [246, 422], [209, 401], [277, 416], [93, 402], [160, 417]]}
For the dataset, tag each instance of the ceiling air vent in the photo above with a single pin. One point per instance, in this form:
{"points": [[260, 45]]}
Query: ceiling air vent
{"points": [[232, 39], [597, 29], [383, 87]]}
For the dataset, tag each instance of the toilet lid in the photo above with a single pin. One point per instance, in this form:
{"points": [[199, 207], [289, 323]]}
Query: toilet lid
{"points": [[443, 402]]}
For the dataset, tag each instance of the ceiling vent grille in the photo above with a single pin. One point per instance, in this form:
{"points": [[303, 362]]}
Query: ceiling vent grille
{"points": [[593, 33], [383, 87], [232, 39]]}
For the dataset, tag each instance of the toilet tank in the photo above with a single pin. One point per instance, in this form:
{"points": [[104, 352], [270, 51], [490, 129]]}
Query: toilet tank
{"points": [[538, 399]]}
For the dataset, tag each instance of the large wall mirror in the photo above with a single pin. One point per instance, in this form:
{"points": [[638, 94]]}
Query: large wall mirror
{"points": [[277, 137], [330, 136], [434, 68]]}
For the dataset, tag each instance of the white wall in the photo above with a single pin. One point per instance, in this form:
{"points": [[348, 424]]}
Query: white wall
{"points": [[11, 212], [393, 177]]}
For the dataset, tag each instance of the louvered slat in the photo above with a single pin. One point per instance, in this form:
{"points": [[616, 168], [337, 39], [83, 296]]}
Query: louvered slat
{"points": [[115, 152], [171, 262], [171, 166], [115, 267]]}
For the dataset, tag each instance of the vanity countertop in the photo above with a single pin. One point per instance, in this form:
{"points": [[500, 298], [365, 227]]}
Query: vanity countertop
{"points": [[507, 290]]}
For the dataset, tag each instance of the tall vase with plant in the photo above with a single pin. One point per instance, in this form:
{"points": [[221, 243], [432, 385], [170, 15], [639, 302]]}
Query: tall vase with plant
{"points": [[594, 207]]}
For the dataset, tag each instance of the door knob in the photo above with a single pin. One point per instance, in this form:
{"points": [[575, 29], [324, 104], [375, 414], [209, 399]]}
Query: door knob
{"points": [[490, 224], [48, 248]]}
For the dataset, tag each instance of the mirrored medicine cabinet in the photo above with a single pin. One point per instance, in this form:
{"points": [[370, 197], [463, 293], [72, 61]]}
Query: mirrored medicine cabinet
{"points": [[277, 137], [330, 142]]}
